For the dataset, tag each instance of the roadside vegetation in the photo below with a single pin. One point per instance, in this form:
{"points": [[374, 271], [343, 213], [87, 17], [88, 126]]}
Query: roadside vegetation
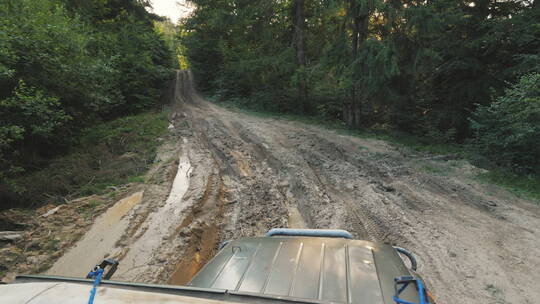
{"points": [[522, 185], [58, 202], [66, 66], [107, 155], [440, 76]]}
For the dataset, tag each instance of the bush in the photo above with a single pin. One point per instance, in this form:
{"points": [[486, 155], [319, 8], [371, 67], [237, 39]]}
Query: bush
{"points": [[65, 65], [108, 154], [507, 131]]}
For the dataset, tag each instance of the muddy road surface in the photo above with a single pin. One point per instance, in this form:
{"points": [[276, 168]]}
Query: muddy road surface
{"points": [[225, 175]]}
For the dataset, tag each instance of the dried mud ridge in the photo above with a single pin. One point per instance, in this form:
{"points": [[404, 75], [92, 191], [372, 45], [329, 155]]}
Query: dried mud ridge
{"points": [[226, 175]]}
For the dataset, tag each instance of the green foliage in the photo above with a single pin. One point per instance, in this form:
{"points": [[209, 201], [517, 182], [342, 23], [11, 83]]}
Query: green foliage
{"points": [[144, 64], [50, 51], [257, 64], [169, 33], [108, 154], [136, 179], [65, 64], [415, 67], [29, 110], [520, 184], [507, 131], [134, 134]]}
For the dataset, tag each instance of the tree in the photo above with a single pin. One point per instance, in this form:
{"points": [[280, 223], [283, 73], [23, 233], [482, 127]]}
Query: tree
{"points": [[359, 12], [507, 130], [299, 39], [414, 66], [65, 64]]}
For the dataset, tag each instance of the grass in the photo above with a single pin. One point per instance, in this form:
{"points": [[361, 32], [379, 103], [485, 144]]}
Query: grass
{"points": [[52, 245], [107, 155], [136, 179], [521, 185], [527, 186], [86, 211], [457, 163], [495, 292], [134, 134], [361, 148], [434, 170]]}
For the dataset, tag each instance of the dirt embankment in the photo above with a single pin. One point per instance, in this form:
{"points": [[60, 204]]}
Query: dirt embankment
{"points": [[225, 175]]}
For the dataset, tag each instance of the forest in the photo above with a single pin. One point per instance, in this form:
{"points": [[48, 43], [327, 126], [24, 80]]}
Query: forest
{"points": [[174, 148], [69, 64], [462, 73], [448, 71]]}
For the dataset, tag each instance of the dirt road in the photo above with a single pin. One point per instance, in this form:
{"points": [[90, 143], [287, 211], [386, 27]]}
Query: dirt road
{"points": [[225, 175]]}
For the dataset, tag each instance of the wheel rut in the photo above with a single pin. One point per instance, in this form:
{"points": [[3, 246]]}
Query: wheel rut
{"points": [[278, 170], [250, 174]]}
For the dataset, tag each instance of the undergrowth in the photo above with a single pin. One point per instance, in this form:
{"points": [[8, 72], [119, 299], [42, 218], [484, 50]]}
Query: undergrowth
{"points": [[107, 155], [520, 184], [434, 170]]}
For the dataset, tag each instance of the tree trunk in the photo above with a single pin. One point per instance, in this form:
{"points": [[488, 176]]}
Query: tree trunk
{"points": [[353, 118], [352, 110], [300, 45], [361, 24]]}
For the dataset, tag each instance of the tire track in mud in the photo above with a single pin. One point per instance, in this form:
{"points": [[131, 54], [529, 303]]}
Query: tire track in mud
{"points": [[306, 179], [377, 193], [240, 164], [251, 174], [359, 222], [140, 254], [201, 227]]}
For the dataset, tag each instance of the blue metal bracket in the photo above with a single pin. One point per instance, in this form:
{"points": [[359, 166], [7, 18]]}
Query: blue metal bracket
{"points": [[400, 283]]}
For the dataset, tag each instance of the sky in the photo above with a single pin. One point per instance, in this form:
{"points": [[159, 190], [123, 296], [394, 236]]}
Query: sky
{"points": [[174, 9]]}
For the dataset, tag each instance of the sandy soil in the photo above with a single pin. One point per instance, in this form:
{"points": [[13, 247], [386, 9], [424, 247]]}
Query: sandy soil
{"points": [[227, 175]]}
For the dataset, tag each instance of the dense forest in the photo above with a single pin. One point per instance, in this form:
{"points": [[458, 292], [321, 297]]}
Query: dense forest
{"points": [[465, 72], [69, 64], [445, 70]]}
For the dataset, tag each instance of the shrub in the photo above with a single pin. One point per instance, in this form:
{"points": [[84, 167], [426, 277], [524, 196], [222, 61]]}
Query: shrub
{"points": [[507, 131]]}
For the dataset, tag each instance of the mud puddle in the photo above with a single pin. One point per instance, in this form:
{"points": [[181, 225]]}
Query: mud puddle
{"points": [[200, 251], [140, 257], [202, 231], [98, 241]]}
